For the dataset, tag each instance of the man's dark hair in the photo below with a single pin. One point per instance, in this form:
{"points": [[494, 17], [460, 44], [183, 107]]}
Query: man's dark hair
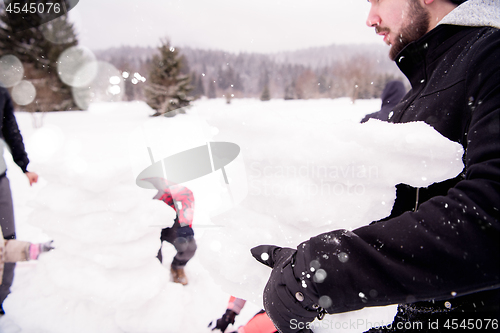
{"points": [[458, 2]]}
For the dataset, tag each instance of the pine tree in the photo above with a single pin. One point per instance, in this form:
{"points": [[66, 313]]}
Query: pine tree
{"points": [[39, 56], [168, 89], [264, 80], [198, 89], [322, 85], [266, 95], [212, 92], [290, 91]]}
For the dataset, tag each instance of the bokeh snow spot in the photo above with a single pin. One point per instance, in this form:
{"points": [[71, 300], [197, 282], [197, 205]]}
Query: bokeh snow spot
{"points": [[320, 276], [23, 93], [343, 257], [77, 66], [325, 302], [45, 142], [315, 265], [11, 71]]}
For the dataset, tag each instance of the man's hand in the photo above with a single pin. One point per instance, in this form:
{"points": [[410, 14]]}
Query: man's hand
{"points": [[32, 177], [289, 302]]}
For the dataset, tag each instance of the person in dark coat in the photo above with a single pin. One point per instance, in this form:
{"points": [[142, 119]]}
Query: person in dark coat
{"points": [[437, 254], [10, 136], [391, 95]]}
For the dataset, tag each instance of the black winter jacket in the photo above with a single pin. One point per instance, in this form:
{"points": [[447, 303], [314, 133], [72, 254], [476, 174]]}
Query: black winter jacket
{"points": [[9, 131], [449, 247]]}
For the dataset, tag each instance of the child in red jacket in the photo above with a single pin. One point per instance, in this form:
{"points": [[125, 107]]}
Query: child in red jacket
{"points": [[181, 234]]}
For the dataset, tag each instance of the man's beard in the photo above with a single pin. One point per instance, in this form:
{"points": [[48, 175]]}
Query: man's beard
{"points": [[417, 26]]}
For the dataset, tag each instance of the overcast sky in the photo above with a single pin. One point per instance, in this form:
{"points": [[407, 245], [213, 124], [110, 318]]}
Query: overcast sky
{"points": [[233, 25]]}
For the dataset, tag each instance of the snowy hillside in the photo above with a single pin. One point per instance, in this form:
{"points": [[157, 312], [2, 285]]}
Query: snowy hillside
{"points": [[305, 167]]}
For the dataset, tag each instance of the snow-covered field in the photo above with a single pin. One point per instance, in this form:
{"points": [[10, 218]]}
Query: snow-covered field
{"points": [[305, 167]]}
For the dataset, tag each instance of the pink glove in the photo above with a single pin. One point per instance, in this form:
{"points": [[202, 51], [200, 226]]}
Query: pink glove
{"points": [[37, 249]]}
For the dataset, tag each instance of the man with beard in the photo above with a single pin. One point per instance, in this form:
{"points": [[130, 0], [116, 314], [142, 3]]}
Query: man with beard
{"points": [[437, 254]]}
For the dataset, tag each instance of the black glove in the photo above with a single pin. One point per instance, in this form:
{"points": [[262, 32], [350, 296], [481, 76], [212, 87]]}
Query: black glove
{"points": [[184, 231], [223, 322], [46, 247], [289, 301]]}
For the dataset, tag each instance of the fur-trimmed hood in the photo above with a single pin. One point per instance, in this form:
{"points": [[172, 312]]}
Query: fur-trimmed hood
{"points": [[475, 13]]}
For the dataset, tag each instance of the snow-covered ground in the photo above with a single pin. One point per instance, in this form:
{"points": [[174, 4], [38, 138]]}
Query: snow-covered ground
{"points": [[305, 167]]}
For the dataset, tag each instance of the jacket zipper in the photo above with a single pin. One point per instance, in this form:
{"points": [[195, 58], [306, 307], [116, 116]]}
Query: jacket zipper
{"points": [[416, 199]]}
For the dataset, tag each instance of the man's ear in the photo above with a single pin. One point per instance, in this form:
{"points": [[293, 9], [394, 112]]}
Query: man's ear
{"points": [[428, 2]]}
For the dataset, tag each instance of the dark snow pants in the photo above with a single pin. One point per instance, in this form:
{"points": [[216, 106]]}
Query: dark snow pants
{"points": [[184, 244], [9, 232]]}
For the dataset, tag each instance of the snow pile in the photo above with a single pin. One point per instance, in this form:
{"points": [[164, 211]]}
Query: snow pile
{"points": [[305, 167], [313, 175]]}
